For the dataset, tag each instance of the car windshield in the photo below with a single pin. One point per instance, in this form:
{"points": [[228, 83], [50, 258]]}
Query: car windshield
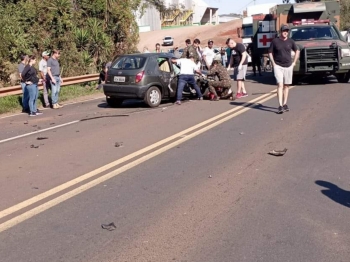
{"points": [[313, 33], [129, 62], [167, 38]]}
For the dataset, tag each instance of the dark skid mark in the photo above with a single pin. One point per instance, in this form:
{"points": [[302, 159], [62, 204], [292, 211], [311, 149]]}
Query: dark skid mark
{"points": [[42, 138], [118, 144], [97, 117], [34, 146]]}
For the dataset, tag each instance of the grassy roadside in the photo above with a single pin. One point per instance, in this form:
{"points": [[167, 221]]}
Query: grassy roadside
{"points": [[13, 103]]}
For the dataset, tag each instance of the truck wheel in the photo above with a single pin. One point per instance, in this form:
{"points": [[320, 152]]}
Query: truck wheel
{"points": [[343, 78], [114, 102], [153, 97]]}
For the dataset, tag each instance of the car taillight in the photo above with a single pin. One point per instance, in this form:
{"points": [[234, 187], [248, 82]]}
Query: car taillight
{"points": [[139, 77]]}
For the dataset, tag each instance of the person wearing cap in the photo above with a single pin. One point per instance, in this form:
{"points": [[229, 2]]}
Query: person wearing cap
{"points": [[208, 54], [239, 61], [224, 80], [280, 53], [188, 68], [43, 72]]}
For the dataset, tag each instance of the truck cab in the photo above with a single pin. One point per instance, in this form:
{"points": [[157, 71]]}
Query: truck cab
{"points": [[314, 26], [323, 49]]}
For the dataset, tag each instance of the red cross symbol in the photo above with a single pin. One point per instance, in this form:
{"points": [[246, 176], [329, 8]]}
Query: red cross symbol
{"points": [[265, 40]]}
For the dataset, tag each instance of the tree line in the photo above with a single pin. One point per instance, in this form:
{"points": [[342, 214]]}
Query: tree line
{"points": [[88, 32]]}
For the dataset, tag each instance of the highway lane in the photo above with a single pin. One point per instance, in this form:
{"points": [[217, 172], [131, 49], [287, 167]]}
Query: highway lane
{"points": [[187, 204]]}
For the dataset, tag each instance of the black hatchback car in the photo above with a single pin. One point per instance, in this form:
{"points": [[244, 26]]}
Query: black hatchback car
{"points": [[148, 76]]}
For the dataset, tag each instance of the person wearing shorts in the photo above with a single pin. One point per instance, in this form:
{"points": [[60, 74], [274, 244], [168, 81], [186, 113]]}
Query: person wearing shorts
{"points": [[280, 53], [239, 61]]}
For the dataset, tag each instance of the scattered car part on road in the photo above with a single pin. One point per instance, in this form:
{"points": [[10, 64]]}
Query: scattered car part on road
{"points": [[109, 227], [278, 152]]}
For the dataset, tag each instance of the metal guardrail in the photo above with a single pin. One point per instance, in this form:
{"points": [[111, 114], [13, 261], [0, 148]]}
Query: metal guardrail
{"points": [[17, 90]]}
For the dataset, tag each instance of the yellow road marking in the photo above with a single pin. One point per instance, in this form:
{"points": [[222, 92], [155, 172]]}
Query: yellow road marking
{"points": [[20, 218]]}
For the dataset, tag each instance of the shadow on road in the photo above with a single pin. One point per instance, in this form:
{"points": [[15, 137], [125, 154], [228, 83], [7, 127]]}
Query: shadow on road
{"points": [[335, 193], [255, 106]]}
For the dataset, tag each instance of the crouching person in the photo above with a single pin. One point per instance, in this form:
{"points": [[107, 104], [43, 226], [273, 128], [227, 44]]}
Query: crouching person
{"points": [[186, 76], [224, 81]]}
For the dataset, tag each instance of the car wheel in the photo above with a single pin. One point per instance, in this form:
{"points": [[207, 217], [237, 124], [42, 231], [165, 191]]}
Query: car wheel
{"points": [[114, 102], [153, 97], [343, 78]]}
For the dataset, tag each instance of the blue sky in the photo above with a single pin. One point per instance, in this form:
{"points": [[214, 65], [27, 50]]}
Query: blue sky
{"points": [[236, 6]]}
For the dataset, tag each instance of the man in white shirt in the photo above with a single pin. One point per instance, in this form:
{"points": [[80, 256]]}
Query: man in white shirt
{"points": [[209, 54], [43, 73], [187, 70]]}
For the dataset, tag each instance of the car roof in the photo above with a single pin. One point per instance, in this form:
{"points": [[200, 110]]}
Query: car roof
{"points": [[149, 55]]}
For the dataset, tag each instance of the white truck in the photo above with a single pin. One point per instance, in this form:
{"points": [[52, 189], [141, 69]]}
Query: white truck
{"points": [[247, 23]]}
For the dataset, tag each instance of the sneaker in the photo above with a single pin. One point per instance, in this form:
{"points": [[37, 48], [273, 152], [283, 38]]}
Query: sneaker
{"points": [[178, 102], [285, 108], [38, 112], [200, 98], [26, 111], [244, 94], [32, 114], [55, 106], [238, 96], [280, 110], [59, 105]]}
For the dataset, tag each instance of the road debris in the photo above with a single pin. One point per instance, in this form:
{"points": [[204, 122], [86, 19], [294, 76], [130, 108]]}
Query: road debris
{"points": [[42, 138], [52, 124], [26, 123], [210, 176], [34, 146], [118, 144], [242, 133], [109, 227], [278, 152]]}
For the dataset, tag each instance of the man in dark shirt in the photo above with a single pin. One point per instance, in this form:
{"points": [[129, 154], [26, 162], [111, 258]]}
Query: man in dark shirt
{"points": [[256, 62], [239, 61], [280, 53]]}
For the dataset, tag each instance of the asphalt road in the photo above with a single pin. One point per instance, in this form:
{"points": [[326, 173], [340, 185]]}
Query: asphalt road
{"points": [[180, 183]]}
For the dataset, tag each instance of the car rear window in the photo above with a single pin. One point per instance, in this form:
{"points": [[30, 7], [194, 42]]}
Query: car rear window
{"points": [[129, 62]]}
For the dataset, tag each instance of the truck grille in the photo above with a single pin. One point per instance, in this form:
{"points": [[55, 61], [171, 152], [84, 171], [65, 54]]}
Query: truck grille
{"points": [[319, 55]]}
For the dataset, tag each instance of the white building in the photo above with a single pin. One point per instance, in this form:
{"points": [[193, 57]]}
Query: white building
{"points": [[186, 12]]}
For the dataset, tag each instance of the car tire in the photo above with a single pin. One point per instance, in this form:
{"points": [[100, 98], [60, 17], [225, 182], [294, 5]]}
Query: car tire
{"points": [[343, 78], [114, 102], [153, 97]]}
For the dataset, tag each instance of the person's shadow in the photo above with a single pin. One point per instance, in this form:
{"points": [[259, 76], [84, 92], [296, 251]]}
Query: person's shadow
{"points": [[335, 193]]}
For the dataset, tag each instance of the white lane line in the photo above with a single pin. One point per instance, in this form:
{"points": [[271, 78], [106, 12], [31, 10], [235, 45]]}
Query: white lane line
{"points": [[45, 206], [72, 103], [39, 131], [104, 168]]}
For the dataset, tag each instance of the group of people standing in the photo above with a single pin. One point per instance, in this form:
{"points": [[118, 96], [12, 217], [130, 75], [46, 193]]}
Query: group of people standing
{"points": [[281, 57], [50, 78]]}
